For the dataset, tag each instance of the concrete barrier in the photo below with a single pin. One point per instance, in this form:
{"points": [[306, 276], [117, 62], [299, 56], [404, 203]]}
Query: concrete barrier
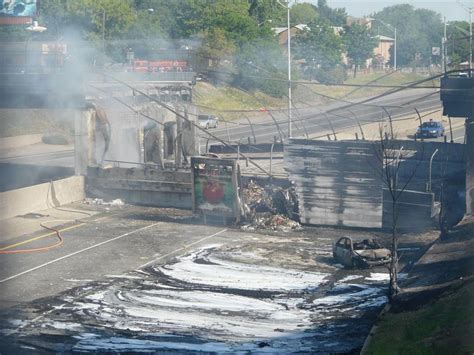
{"points": [[41, 197], [19, 141]]}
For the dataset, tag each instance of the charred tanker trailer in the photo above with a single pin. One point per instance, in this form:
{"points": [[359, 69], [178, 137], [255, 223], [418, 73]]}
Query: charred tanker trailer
{"points": [[147, 159]]}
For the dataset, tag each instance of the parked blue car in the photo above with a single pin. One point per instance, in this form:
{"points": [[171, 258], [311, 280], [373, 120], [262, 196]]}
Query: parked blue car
{"points": [[431, 129]]}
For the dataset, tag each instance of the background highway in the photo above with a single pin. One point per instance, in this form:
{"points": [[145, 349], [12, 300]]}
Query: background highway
{"points": [[316, 121]]}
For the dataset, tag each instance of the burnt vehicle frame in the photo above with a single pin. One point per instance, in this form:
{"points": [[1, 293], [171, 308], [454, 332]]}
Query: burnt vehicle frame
{"points": [[360, 254]]}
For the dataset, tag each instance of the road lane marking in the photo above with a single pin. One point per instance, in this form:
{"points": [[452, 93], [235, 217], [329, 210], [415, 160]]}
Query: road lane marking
{"points": [[180, 249], [78, 252]]}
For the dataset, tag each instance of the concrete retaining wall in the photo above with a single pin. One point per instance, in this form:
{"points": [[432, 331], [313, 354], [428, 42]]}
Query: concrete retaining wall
{"points": [[41, 197]]}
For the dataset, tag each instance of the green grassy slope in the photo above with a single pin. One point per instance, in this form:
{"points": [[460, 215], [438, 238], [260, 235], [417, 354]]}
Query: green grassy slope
{"points": [[443, 326]]}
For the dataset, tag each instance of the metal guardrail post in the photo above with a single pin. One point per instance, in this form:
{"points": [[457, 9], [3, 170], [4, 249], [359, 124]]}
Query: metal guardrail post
{"points": [[238, 150], [358, 123], [421, 123], [431, 163], [450, 129], [271, 158], [251, 128], [227, 131], [390, 121], [332, 127]]}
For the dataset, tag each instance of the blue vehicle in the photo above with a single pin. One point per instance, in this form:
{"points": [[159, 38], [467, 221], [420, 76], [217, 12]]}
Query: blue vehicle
{"points": [[431, 129]]}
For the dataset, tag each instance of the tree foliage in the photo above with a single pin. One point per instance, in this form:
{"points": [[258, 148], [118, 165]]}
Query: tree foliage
{"points": [[267, 12], [457, 44], [359, 44], [319, 44], [215, 47], [418, 30], [303, 13], [321, 48], [261, 59], [222, 34], [336, 17]]}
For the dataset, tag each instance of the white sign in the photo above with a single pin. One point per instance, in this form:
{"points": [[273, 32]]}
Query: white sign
{"points": [[435, 51]]}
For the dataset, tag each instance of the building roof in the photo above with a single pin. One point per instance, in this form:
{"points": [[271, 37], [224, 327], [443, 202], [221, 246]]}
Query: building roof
{"points": [[385, 38], [301, 27], [279, 30]]}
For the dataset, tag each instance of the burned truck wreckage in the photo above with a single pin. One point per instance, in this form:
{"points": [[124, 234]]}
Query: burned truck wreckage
{"points": [[333, 183]]}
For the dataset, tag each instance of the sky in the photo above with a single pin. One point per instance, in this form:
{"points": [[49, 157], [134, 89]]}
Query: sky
{"points": [[449, 8]]}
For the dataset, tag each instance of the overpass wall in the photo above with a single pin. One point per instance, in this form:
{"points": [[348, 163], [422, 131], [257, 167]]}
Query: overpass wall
{"points": [[340, 182], [335, 182]]}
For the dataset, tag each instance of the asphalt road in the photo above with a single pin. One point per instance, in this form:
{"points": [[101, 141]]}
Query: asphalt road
{"points": [[132, 278], [314, 121]]}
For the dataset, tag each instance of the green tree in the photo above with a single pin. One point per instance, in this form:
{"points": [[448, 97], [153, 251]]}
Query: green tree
{"points": [[55, 16], [303, 13], [145, 26], [457, 45], [234, 19], [359, 44], [417, 31], [321, 48], [336, 17], [214, 48], [267, 12], [258, 60]]}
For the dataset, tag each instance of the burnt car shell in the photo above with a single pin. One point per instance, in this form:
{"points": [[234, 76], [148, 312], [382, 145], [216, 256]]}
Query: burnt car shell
{"points": [[362, 254]]}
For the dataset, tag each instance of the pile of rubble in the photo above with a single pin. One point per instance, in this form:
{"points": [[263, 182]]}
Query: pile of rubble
{"points": [[269, 207]]}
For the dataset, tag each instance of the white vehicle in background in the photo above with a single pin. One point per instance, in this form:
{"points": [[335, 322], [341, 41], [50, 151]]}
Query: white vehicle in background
{"points": [[207, 121]]}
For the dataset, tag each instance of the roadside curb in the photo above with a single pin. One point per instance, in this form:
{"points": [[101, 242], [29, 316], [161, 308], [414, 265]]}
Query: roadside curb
{"points": [[20, 141]]}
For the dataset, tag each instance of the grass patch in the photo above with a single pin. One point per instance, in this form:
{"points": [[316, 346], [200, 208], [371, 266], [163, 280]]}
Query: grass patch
{"points": [[15, 122], [443, 326], [223, 98], [349, 92]]}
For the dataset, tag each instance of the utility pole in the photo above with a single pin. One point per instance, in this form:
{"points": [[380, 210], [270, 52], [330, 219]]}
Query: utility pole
{"points": [[103, 32], [469, 9], [443, 48], [395, 50], [289, 72], [289, 66]]}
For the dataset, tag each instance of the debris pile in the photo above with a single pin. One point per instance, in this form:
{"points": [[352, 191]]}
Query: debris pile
{"points": [[269, 207]]}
